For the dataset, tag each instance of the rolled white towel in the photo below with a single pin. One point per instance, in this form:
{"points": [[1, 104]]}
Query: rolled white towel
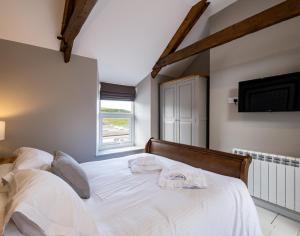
{"points": [[145, 164], [182, 176]]}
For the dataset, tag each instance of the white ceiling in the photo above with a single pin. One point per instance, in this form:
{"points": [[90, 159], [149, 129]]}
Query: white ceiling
{"points": [[126, 37], [215, 6], [34, 22]]}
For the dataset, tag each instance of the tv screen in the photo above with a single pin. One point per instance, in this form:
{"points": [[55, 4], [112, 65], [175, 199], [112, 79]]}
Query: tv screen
{"points": [[273, 94]]}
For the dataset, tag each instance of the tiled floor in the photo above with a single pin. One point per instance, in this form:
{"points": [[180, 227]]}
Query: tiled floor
{"points": [[273, 224]]}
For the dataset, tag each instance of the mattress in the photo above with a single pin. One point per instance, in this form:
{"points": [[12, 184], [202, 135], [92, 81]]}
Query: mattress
{"points": [[126, 204]]}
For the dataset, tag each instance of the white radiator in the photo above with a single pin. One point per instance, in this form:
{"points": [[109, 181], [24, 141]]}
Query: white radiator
{"points": [[274, 178]]}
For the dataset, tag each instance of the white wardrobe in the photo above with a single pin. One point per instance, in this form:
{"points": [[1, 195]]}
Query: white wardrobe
{"points": [[183, 115]]}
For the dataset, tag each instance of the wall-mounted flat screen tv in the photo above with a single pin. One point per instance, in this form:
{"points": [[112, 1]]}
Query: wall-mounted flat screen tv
{"points": [[273, 94]]}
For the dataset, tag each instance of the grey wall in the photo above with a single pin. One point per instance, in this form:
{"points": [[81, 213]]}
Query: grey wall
{"points": [[46, 103], [147, 109], [200, 65], [142, 110], [273, 51]]}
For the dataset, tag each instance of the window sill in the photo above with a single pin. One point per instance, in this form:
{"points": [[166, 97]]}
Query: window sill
{"points": [[118, 152]]}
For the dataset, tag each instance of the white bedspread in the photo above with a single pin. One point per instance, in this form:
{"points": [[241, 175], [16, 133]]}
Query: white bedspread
{"points": [[126, 204]]}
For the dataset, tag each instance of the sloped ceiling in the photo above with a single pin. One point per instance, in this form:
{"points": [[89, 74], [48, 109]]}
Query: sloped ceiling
{"points": [[126, 37], [34, 22]]}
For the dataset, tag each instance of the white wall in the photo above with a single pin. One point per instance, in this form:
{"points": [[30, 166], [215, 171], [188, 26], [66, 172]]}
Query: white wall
{"points": [[46, 103], [273, 51]]}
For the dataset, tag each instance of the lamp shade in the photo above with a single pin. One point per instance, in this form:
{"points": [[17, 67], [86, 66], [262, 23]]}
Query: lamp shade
{"points": [[2, 130]]}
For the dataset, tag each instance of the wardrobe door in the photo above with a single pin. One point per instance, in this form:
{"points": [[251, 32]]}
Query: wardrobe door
{"points": [[185, 95], [168, 112]]}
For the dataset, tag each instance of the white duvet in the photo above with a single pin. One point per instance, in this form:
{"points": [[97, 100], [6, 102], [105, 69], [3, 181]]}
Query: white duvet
{"points": [[126, 204]]}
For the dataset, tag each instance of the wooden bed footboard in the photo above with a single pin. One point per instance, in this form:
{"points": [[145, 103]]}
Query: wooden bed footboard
{"points": [[214, 161]]}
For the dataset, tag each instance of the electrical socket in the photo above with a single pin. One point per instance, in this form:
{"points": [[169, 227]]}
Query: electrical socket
{"points": [[233, 100]]}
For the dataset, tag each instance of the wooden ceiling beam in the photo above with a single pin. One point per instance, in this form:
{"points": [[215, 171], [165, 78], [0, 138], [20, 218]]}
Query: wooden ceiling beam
{"points": [[190, 20], [75, 14], [274, 15], [69, 8]]}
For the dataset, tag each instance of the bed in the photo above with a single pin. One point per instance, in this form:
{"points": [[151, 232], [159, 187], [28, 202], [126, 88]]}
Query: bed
{"points": [[124, 204]]}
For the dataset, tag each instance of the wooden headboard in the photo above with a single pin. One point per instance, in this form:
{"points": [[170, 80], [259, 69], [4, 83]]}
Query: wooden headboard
{"points": [[214, 161], [7, 160]]}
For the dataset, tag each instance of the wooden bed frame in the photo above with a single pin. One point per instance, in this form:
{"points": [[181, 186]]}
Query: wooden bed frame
{"points": [[7, 160], [214, 161]]}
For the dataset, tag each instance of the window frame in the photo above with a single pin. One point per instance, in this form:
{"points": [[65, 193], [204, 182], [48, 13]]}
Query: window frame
{"points": [[112, 115]]}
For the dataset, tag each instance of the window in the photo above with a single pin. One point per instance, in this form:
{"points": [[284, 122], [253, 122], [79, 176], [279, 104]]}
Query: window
{"points": [[116, 124]]}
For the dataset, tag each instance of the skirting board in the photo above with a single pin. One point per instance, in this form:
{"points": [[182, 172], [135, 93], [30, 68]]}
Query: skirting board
{"points": [[277, 209]]}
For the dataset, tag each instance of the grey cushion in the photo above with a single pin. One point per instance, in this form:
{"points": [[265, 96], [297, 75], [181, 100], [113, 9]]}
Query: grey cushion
{"points": [[26, 226], [70, 171]]}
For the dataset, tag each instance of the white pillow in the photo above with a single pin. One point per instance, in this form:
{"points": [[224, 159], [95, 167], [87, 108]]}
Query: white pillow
{"points": [[31, 158], [49, 203]]}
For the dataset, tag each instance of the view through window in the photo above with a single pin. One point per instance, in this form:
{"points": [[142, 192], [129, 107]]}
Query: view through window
{"points": [[116, 123]]}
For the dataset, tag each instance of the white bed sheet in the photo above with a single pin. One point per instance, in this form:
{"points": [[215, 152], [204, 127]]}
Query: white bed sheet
{"points": [[126, 204]]}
